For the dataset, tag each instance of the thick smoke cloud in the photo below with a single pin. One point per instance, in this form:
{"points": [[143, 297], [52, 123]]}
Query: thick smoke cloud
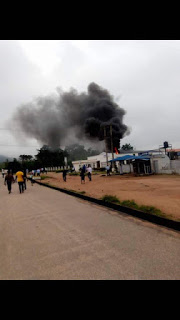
{"points": [[53, 119]]}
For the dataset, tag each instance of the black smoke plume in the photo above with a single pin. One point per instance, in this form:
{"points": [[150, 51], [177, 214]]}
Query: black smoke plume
{"points": [[56, 120]]}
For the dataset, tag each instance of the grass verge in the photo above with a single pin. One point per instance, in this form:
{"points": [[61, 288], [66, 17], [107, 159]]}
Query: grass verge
{"points": [[45, 177], [132, 204]]}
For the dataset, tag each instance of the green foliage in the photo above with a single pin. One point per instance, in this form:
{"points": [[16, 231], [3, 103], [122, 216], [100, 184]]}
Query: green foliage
{"points": [[13, 165], [26, 162], [43, 177], [25, 157], [132, 204], [48, 157], [151, 210], [74, 173], [2, 165], [78, 152], [127, 146], [110, 198]]}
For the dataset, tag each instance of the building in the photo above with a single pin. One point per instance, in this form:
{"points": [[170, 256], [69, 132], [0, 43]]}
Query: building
{"points": [[100, 161], [173, 154], [96, 162], [135, 161], [145, 162]]}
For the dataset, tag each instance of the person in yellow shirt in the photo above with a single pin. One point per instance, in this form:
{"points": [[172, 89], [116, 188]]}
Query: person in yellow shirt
{"points": [[20, 180]]}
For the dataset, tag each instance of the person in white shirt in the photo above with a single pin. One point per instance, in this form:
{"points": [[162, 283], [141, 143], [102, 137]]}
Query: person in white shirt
{"points": [[3, 172], [89, 170], [108, 170]]}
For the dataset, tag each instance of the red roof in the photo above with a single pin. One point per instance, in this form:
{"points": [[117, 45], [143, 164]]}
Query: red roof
{"points": [[173, 150]]}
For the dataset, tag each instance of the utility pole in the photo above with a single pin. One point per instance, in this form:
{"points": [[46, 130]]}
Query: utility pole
{"points": [[112, 147], [105, 144]]}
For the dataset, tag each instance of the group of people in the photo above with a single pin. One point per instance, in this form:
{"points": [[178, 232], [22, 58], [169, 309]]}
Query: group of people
{"points": [[37, 172], [20, 177], [83, 170]]}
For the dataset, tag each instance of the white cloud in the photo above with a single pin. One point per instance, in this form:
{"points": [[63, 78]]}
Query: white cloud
{"points": [[43, 53]]}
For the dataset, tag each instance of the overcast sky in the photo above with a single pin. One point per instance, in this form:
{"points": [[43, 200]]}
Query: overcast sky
{"points": [[143, 76]]}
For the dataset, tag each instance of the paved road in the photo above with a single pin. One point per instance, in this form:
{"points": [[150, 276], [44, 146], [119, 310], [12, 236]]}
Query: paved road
{"points": [[45, 234]]}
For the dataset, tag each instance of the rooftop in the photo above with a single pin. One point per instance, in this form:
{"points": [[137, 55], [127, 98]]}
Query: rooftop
{"points": [[172, 150]]}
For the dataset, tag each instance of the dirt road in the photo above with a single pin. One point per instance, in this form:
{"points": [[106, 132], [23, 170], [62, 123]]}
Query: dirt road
{"points": [[45, 234], [162, 191]]}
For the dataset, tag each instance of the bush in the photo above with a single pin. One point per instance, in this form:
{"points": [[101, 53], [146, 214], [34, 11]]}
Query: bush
{"points": [[151, 210], [74, 173], [132, 204], [112, 199], [45, 177]]}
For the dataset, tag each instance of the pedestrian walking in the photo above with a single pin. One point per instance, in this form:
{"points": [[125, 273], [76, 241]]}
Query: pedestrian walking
{"points": [[9, 179], [64, 174], [82, 175], [108, 170], [31, 178], [89, 170], [25, 179], [3, 173], [20, 180]]}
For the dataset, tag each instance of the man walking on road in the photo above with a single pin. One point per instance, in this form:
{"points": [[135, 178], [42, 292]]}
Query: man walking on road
{"points": [[20, 180], [9, 179]]}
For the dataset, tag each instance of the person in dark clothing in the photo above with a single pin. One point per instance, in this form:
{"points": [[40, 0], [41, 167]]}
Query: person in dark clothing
{"points": [[25, 179], [9, 179], [64, 174], [82, 175]]}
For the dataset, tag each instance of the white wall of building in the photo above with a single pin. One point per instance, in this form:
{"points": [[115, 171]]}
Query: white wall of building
{"points": [[93, 160], [160, 163], [164, 165], [79, 163]]}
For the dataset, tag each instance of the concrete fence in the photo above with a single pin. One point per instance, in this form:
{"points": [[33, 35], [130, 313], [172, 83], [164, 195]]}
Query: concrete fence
{"points": [[172, 168]]}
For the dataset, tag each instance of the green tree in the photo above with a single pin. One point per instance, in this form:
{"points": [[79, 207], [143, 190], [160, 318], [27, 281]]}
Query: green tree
{"points": [[25, 157], [48, 157], [14, 165], [78, 152], [127, 146]]}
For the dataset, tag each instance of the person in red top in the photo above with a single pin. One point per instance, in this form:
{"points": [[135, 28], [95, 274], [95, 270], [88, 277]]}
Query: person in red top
{"points": [[9, 179]]}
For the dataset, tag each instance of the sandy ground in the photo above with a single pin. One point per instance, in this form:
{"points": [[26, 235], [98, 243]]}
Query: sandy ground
{"points": [[161, 191]]}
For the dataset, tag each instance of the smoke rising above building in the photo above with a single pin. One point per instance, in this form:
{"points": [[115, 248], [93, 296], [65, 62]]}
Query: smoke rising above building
{"points": [[56, 120]]}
